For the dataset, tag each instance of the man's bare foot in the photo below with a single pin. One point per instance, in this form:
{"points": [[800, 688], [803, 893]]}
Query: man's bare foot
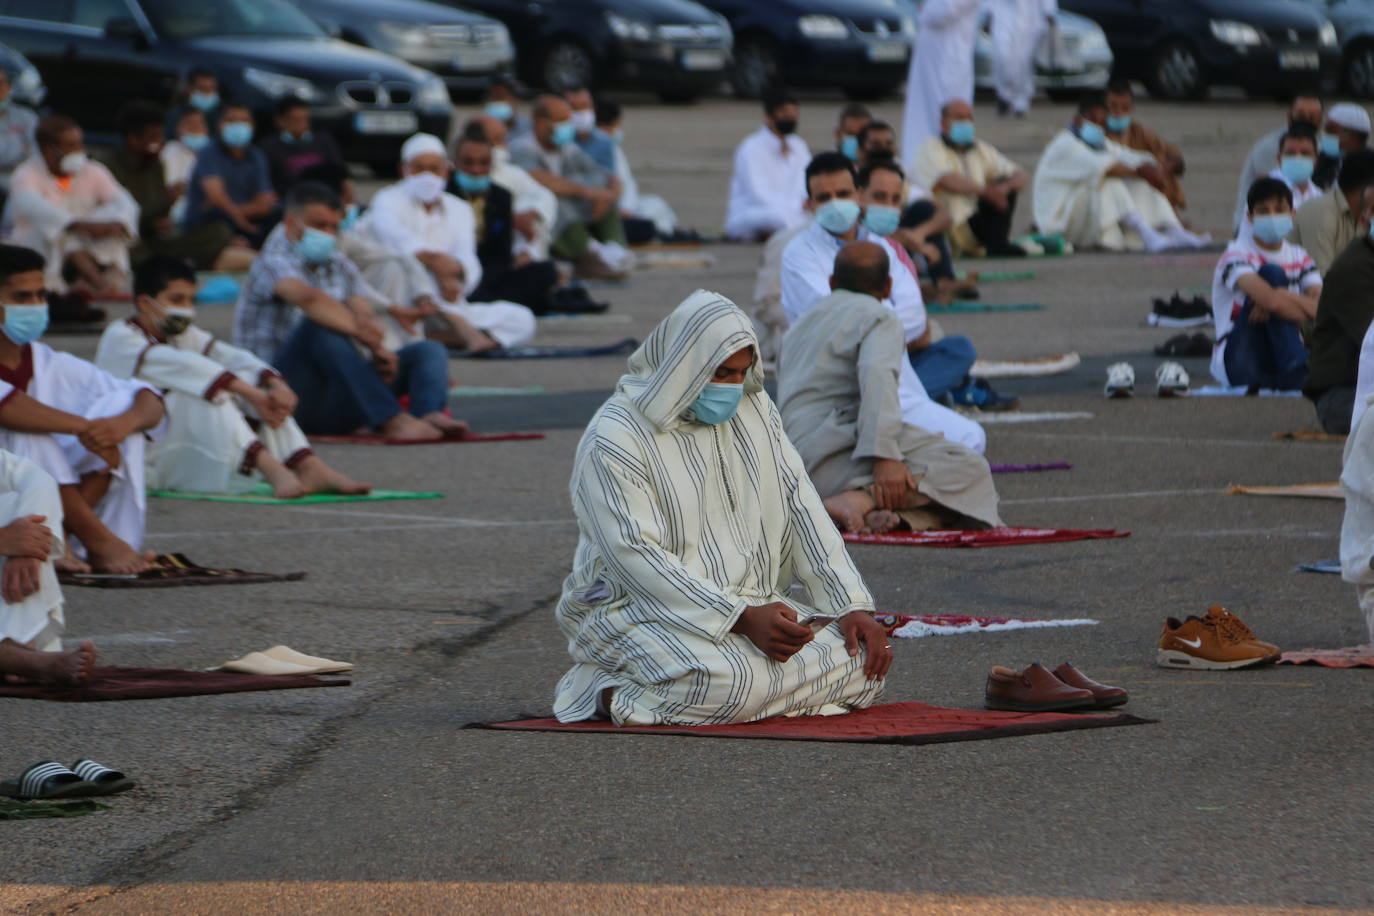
{"points": [[881, 521], [848, 510], [70, 563], [451, 428], [317, 477], [71, 667], [410, 429], [115, 556], [285, 484]]}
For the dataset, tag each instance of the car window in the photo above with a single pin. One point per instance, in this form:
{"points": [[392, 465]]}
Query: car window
{"points": [[95, 13], [42, 10], [182, 19]]}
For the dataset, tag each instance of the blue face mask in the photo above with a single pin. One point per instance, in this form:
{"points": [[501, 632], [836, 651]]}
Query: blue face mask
{"points": [[838, 216], [237, 134], [350, 218], [962, 133], [849, 146], [717, 402], [1297, 169], [1272, 228], [1092, 134], [25, 323], [194, 142], [1329, 144], [501, 111], [564, 133], [473, 184], [315, 247], [1117, 123], [205, 101], [882, 220], [288, 137]]}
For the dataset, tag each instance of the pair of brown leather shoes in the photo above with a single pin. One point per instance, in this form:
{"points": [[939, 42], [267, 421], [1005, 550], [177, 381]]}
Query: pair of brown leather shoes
{"points": [[1037, 689]]}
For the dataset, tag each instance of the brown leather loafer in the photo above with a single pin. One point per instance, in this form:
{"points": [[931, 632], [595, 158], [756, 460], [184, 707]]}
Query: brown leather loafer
{"points": [[1103, 694], [1032, 690]]}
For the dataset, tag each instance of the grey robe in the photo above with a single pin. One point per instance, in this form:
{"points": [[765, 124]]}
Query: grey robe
{"points": [[837, 389]]}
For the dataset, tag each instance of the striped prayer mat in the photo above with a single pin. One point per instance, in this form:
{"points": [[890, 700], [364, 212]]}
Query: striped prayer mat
{"points": [[261, 494], [1026, 468], [452, 440], [619, 348], [1349, 657], [1308, 490], [173, 569], [915, 626], [992, 537], [961, 307], [887, 723], [115, 683], [1309, 435]]}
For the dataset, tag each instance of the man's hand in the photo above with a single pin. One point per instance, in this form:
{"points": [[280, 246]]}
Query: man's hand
{"points": [[892, 483], [368, 333], [1151, 174], [175, 191], [774, 629], [388, 364], [282, 397], [995, 194], [245, 225], [859, 628], [929, 252], [26, 537], [450, 287], [407, 318], [107, 432], [20, 579], [526, 223]]}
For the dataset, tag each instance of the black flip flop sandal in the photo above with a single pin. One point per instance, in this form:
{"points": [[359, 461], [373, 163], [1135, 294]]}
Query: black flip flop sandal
{"points": [[106, 780], [48, 779]]}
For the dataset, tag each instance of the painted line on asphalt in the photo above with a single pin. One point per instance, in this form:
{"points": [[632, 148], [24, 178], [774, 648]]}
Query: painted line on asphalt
{"points": [[1138, 494], [1160, 440]]}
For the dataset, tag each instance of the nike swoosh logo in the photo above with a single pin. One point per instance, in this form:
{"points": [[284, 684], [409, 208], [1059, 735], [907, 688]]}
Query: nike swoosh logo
{"points": [[1195, 643]]}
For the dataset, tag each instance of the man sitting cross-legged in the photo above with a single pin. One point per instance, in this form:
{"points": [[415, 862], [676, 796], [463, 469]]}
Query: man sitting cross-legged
{"points": [[695, 516], [838, 392], [211, 389], [303, 310], [83, 426]]}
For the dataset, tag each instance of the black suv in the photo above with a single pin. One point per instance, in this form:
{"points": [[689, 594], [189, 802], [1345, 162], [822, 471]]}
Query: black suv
{"points": [[95, 54], [1179, 48], [676, 48]]}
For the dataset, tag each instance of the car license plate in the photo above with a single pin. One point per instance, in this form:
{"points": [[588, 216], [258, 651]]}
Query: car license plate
{"points": [[703, 60], [386, 122], [478, 59], [1299, 60], [887, 51]]}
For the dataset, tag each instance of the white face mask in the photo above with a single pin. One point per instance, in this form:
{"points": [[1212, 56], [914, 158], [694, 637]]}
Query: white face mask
{"points": [[424, 186], [583, 121], [72, 163]]}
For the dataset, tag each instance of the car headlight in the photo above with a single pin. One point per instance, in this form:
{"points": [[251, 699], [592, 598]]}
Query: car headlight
{"points": [[1240, 34], [823, 27], [416, 43], [280, 86], [1327, 35], [629, 29], [908, 27], [1093, 43], [433, 95]]}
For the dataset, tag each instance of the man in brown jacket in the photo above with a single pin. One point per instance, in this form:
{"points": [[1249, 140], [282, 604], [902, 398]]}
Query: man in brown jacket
{"points": [[1123, 128]]}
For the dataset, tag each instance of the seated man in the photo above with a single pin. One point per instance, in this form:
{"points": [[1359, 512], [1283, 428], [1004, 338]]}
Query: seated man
{"points": [[1325, 225], [17, 126], [1297, 158], [1344, 313], [502, 104], [303, 311], [768, 186], [231, 183], [535, 207], [84, 427], [296, 149], [201, 93], [136, 164], [976, 183], [877, 140], [854, 117], [1305, 109], [1263, 289], [838, 392], [678, 609], [179, 155], [588, 231], [72, 212], [646, 216], [1346, 131], [415, 217], [1123, 127], [1098, 194], [583, 116], [809, 260], [210, 389]]}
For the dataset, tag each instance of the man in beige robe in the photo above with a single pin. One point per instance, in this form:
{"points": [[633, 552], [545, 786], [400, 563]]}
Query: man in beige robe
{"points": [[838, 392]]}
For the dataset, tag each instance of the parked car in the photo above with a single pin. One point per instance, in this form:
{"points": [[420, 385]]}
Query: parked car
{"points": [[1074, 58], [1180, 48], [96, 54], [466, 49], [676, 48], [26, 86], [1354, 22], [861, 46]]}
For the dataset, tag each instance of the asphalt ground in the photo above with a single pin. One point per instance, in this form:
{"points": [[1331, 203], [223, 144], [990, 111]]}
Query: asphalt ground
{"points": [[1249, 795]]}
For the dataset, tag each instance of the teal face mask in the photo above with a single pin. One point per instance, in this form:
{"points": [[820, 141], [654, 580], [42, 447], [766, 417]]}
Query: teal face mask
{"points": [[1117, 123], [473, 184], [564, 133], [194, 142], [1297, 169], [850, 147], [881, 220], [288, 137], [501, 111], [315, 247], [717, 402], [962, 133], [350, 218], [1329, 144], [205, 101], [1272, 228], [838, 216], [25, 323], [1092, 134], [237, 134]]}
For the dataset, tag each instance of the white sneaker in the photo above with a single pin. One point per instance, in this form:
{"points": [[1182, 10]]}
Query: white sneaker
{"points": [[1171, 380], [1120, 381]]}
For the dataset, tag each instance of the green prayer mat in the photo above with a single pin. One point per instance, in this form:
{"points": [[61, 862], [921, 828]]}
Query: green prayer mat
{"points": [[1001, 276], [14, 810], [958, 306], [262, 493], [475, 391]]}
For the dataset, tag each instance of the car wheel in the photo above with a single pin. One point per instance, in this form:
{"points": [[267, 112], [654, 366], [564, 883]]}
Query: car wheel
{"points": [[1359, 70], [756, 68], [566, 65], [1177, 73]]}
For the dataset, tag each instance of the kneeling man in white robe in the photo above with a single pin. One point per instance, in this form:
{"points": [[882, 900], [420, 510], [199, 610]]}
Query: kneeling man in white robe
{"points": [[82, 425], [1099, 194], [695, 518], [211, 389]]}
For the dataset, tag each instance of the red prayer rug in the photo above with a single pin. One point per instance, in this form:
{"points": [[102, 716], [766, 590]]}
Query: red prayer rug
{"points": [[992, 537], [453, 440], [174, 569], [914, 626], [887, 723], [1348, 657], [153, 683]]}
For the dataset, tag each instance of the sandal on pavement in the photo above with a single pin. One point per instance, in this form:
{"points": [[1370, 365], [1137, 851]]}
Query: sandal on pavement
{"points": [[106, 780], [48, 779]]}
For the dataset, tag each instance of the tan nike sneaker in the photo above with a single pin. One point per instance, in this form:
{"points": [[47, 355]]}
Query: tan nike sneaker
{"points": [[1228, 621], [1211, 643]]}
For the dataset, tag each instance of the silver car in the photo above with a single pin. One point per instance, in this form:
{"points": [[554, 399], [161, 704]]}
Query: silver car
{"points": [[1073, 58]]}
